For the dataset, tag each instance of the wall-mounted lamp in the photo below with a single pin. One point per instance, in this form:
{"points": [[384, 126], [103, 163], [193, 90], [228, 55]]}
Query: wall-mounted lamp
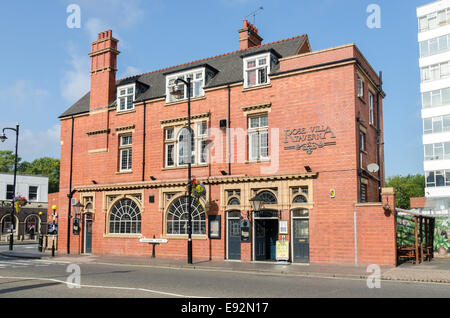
{"points": [[153, 178], [223, 172], [94, 182], [308, 169]]}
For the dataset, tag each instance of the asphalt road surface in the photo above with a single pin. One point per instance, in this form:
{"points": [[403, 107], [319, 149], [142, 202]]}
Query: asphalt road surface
{"points": [[22, 278]]}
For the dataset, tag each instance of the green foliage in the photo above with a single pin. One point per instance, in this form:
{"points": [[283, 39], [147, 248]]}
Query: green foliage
{"points": [[7, 161], [47, 167], [405, 188]]}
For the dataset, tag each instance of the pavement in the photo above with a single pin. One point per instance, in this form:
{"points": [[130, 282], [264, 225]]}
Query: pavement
{"points": [[436, 271]]}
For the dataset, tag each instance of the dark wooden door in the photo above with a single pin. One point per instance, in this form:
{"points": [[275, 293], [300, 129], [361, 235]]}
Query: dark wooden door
{"points": [[234, 239], [88, 237], [301, 240]]}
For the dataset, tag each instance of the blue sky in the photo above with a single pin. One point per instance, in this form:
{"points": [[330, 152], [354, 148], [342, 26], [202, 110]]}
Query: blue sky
{"points": [[45, 66]]}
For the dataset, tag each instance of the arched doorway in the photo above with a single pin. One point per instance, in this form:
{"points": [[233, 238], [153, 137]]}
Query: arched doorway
{"points": [[265, 234], [32, 226], [6, 225]]}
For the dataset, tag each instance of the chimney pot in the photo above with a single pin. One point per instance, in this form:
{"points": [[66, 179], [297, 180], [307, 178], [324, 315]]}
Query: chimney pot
{"points": [[248, 36]]}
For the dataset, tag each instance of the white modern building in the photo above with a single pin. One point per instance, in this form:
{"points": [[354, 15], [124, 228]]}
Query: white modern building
{"points": [[434, 44], [33, 188], [32, 218]]}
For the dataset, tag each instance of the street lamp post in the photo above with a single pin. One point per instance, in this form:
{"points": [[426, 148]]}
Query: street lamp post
{"points": [[3, 138], [189, 143]]}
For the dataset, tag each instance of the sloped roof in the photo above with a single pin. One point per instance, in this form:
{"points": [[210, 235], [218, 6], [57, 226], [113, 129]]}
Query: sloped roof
{"points": [[229, 67]]}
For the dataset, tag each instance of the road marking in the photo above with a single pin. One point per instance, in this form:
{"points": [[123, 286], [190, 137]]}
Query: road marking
{"points": [[102, 287]]}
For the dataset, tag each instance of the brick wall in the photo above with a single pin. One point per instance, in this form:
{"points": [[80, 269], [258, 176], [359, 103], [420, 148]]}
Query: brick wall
{"points": [[324, 97]]}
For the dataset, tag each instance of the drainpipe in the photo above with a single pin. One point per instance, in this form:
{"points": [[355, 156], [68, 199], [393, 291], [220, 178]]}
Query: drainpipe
{"points": [[229, 132], [143, 142], [358, 120], [380, 88], [70, 195]]}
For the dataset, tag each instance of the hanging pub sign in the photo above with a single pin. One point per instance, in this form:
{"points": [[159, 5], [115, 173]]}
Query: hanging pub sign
{"points": [[245, 231], [309, 139]]}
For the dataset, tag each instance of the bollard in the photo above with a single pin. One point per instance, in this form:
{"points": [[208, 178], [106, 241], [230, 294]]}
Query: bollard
{"points": [[41, 239], [53, 248]]}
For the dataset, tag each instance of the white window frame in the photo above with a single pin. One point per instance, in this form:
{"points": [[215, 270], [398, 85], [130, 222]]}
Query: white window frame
{"points": [[371, 101], [200, 136], [37, 193], [257, 67], [123, 93], [360, 87], [128, 149], [258, 131], [200, 82]]}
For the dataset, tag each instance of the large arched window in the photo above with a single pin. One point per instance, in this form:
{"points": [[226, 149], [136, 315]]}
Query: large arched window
{"points": [[177, 217], [184, 149], [268, 197], [125, 218]]}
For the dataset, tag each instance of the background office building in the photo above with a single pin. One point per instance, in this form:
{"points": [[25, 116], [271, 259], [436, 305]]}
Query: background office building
{"points": [[434, 43]]}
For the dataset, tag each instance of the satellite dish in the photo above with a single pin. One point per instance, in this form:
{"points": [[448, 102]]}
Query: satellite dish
{"points": [[373, 167]]}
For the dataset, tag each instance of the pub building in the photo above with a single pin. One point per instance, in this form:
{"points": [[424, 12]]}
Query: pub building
{"points": [[282, 140]]}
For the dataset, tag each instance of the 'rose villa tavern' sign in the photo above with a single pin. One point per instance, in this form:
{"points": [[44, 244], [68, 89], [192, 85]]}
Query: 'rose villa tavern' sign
{"points": [[309, 139]]}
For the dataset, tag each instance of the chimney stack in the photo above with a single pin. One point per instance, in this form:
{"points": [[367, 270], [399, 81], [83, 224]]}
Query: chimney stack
{"points": [[103, 70], [248, 36]]}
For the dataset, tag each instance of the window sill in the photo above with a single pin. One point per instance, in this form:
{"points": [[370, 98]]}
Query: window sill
{"points": [[184, 167], [125, 172], [202, 237], [361, 98], [125, 236], [258, 161], [123, 112], [252, 88], [193, 99]]}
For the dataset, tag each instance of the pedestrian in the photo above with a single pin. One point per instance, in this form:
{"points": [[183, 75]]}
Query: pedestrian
{"points": [[32, 232]]}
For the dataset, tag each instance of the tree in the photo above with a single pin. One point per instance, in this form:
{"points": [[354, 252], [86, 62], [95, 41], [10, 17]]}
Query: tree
{"points": [[47, 167], [7, 161], [405, 188]]}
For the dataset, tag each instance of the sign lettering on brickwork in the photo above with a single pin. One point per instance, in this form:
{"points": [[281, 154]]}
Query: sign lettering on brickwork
{"points": [[309, 139]]}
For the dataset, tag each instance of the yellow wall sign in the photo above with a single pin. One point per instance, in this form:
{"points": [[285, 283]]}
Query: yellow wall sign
{"points": [[282, 251]]}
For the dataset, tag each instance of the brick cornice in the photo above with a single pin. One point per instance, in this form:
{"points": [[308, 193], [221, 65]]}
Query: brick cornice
{"points": [[183, 119], [206, 181]]}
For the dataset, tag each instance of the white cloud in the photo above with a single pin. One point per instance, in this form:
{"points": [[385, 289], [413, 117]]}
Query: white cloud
{"points": [[131, 71], [22, 93], [75, 82], [34, 144]]}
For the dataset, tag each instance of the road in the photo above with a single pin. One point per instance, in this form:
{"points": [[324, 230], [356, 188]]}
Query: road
{"points": [[55, 279]]}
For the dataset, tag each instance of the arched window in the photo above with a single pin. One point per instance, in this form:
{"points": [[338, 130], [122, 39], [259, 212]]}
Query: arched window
{"points": [[234, 201], [125, 218], [177, 217], [268, 197], [32, 224], [300, 199], [6, 224], [184, 148]]}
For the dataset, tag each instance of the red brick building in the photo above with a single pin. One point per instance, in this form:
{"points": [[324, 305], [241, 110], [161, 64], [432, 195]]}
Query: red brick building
{"points": [[294, 126]]}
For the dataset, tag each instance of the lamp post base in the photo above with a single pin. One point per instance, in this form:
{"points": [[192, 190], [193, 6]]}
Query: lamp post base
{"points": [[11, 241]]}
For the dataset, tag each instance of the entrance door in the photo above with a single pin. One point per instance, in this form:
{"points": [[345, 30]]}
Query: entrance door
{"points": [[300, 225], [234, 235], [266, 233], [88, 237]]}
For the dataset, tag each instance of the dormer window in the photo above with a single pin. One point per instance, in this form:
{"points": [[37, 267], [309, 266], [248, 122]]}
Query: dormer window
{"points": [[125, 97], [257, 69], [197, 77]]}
